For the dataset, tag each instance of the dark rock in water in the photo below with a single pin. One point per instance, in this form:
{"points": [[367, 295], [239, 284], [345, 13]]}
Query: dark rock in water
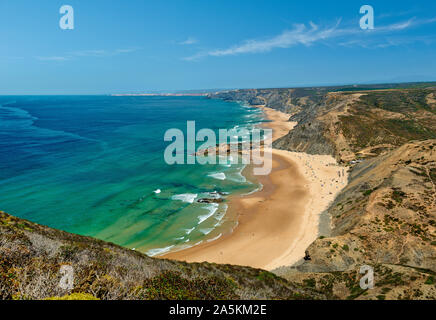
{"points": [[228, 148], [206, 200]]}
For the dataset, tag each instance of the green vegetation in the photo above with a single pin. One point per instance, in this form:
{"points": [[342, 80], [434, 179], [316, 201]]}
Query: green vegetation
{"points": [[369, 192], [31, 258], [75, 296], [373, 227], [430, 280], [386, 290], [311, 283], [266, 276], [407, 117], [172, 286]]}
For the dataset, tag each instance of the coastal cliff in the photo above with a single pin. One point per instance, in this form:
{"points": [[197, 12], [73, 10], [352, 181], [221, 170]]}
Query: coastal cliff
{"points": [[385, 216], [349, 122]]}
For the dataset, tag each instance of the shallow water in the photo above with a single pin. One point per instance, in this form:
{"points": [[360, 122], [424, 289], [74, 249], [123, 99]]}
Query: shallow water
{"points": [[94, 165]]}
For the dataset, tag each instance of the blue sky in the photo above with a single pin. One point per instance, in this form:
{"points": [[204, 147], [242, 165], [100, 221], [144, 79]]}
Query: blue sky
{"points": [[143, 46]]}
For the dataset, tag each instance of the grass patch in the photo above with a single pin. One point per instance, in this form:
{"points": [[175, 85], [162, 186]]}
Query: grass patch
{"points": [[430, 280]]}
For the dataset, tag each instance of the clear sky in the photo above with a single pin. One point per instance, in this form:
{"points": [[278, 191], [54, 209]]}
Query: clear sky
{"points": [[123, 46]]}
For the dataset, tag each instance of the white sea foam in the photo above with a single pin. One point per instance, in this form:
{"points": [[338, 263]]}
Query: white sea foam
{"points": [[188, 231], [212, 208], [219, 176], [158, 251], [206, 231], [186, 197], [252, 116], [260, 188], [211, 195], [219, 217], [238, 177], [216, 238]]}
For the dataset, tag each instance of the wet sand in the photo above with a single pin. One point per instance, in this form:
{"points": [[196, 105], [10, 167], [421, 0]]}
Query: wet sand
{"points": [[278, 223]]}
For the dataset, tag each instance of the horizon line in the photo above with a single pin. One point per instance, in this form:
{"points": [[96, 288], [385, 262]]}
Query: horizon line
{"points": [[206, 91]]}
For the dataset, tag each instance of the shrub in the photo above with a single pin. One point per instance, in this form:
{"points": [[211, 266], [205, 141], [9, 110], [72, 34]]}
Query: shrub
{"points": [[430, 280], [75, 296]]}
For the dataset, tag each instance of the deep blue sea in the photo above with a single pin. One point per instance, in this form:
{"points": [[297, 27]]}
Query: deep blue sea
{"points": [[94, 165]]}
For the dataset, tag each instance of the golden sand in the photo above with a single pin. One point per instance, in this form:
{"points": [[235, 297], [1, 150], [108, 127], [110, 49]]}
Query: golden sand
{"points": [[277, 224]]}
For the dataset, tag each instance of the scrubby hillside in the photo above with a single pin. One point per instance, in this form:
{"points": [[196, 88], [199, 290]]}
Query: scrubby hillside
{"points": [[286, 100], [386, 216], [31, 257], [364, 124], [348, 123]]}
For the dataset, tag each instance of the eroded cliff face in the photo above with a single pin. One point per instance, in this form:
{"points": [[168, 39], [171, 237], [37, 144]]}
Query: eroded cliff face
{"points": [[349, 125], [302, 105], [386, 215], [385, 218], [290, 101]]}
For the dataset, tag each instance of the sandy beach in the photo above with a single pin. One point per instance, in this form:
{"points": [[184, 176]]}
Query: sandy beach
{"points": [[280, 123], [278, 223]]}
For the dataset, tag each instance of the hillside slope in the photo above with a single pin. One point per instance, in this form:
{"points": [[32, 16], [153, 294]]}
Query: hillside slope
{"points": [[31, 257], [386, 216], [348, 123], [363, 124]]}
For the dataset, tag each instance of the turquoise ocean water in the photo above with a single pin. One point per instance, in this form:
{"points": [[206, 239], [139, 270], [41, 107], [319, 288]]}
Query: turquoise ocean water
{"points": [[94, 165]]}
